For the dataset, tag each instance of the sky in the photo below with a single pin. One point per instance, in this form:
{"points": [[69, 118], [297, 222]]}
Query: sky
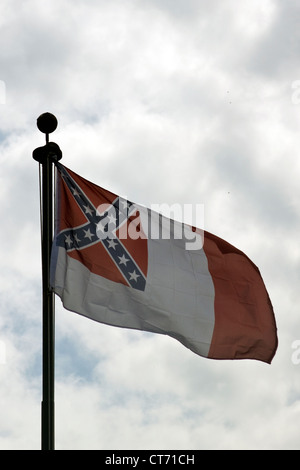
{"points": [[161, 101]]}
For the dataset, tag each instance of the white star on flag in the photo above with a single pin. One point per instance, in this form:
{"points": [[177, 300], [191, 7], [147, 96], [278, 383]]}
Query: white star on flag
{"points": [[134, 275], [123, 260]]}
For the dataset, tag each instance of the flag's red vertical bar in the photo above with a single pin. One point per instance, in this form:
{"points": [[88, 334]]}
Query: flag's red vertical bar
{"points": [[46, 155]]}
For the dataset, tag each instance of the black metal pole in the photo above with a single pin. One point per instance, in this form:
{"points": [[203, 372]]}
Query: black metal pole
{"points": [[47, 123], [48, 309]]}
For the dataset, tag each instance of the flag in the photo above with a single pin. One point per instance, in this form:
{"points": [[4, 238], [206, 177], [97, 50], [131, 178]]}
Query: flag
{"points": [[121, 264]]}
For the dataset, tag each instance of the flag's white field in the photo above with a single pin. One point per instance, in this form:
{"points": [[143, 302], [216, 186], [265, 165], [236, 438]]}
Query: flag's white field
{"points": [[212, 299]]}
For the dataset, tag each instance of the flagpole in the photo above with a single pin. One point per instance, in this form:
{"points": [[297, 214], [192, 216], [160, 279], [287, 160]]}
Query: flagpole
{"points": [[46, 155]]}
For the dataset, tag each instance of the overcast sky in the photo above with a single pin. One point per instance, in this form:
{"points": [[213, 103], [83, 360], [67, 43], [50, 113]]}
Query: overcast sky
{"points": [[162, 101]]}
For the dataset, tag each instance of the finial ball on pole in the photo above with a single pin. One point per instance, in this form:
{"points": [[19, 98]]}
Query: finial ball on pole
{"points": [[47, 123]]}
